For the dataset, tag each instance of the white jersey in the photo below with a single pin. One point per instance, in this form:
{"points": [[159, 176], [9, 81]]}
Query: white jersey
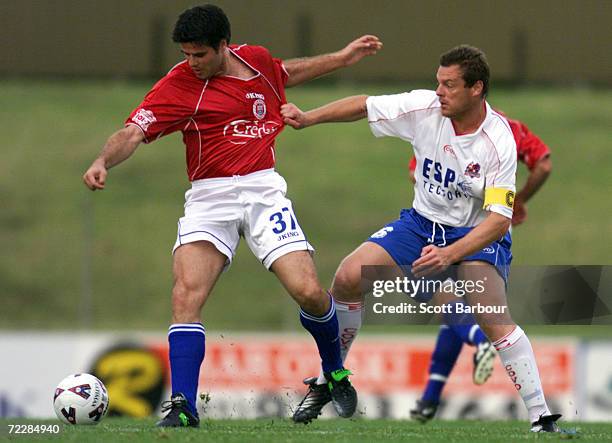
{"points": [[453, 171]]}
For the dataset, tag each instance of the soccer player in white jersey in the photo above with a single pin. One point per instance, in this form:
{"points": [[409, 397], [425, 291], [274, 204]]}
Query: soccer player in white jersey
{"points": [[465, 175], [459, 329]]}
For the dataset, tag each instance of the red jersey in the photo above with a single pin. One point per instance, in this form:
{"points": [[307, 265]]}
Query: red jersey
{"points": [[529, 147], [229, 125]]}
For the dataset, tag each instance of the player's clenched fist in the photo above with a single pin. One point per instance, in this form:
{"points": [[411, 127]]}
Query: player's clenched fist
{"points": [[95, 176], [118, 147], [293, 116]]}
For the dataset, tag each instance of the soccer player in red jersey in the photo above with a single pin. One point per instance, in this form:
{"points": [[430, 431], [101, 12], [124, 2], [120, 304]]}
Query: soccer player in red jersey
{"points": [[534, 153], [226, 99]]}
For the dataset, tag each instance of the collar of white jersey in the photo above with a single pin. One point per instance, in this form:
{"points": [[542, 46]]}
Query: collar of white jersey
{"points": [[489, 113]]}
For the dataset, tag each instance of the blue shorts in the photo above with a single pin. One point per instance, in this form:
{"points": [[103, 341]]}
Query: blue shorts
{"points": [[404, 239]]}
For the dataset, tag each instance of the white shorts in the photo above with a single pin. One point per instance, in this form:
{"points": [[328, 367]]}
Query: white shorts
{"points": [[254, 206]]}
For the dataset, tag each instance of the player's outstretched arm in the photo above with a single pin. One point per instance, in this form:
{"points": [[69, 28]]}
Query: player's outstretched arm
{"points": [[304, 69], [119, 147], [348, 109]]}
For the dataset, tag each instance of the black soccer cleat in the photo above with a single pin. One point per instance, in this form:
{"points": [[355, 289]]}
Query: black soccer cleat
{"points": [[484, 360], [343, 394], [423, 411], [179, 415], [546, 423], [314, 400]]}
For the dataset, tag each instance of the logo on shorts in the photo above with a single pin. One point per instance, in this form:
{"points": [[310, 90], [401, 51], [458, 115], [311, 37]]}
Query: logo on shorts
{"points": [[472, 170], [240, 132], [489, 250], [510, 199], [144, 118], [449, 150], [259, 109], [382, 232]]}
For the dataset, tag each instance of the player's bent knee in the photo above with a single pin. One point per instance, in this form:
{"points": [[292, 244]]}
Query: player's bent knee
{"points": [[495, 332], [346, 285]]}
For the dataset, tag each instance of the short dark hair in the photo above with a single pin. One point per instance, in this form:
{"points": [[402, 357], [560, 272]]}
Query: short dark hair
{"points": [[204, 25], [473, 64]]}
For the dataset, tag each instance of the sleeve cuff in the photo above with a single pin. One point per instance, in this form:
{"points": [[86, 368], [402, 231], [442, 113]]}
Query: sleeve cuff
{"points": [[144, 134], [501, 210]]}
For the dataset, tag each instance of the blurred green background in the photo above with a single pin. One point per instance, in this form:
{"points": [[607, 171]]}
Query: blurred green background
{"points": [[76, 259]]}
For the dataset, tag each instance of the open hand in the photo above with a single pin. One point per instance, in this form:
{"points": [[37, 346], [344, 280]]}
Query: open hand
{"points": [[360, 48]]}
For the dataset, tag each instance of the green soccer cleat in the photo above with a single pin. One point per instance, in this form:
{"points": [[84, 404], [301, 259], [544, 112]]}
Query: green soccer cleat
{"points": [[343, 395], [179, 415]]}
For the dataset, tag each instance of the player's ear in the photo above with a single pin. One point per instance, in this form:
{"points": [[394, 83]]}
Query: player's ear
{"points": [[477, 88], [222, 45]]}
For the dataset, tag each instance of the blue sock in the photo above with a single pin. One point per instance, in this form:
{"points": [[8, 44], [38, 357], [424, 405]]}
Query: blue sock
{"points": [[443, 359], [187, 343], [464, 325], [325, 332]]}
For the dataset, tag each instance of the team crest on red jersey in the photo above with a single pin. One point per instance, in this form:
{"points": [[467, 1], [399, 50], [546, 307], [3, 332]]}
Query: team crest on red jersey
{"points": [[472, 170], [259, 109], [144, 118]]}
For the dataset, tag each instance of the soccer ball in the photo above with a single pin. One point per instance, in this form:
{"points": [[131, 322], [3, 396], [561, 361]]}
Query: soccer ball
{"points": [[80, 399]]}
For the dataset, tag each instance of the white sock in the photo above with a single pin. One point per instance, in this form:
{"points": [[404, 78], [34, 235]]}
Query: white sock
{"points": [[349, 322], [517, 356]]}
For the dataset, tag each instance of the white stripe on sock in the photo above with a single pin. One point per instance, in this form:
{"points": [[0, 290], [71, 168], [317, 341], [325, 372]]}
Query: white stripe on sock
{"points": [[472, 333], [199, 331], [325, 318], [187, 327], [438, 377]]}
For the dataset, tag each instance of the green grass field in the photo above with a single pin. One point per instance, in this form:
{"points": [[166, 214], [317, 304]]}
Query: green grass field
{"points": [[61, 241], [329, 431]]}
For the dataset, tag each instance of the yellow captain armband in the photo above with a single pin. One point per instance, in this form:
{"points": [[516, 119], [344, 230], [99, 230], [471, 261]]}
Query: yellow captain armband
{"points": [[498, 196]]}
